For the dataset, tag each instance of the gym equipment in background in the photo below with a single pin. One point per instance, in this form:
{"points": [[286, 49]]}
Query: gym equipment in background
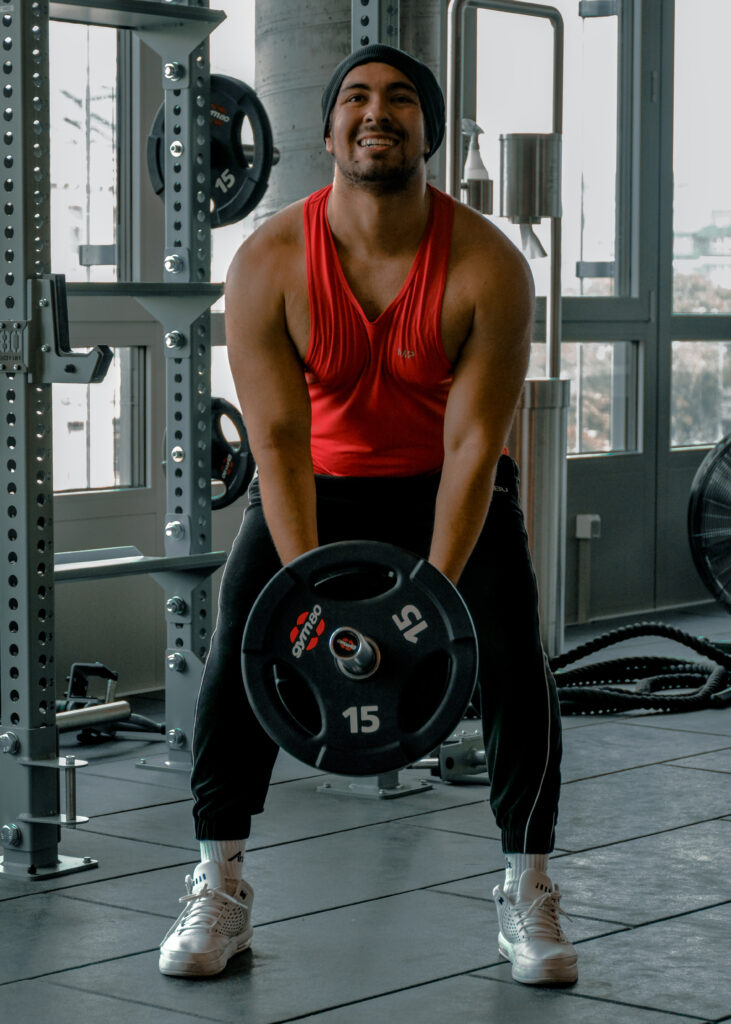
{"points": [[239, 172], [232, 464], [709, 521]]}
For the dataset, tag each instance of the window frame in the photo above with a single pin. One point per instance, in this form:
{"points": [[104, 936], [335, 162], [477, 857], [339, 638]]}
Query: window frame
{"points": [[121, 321]]}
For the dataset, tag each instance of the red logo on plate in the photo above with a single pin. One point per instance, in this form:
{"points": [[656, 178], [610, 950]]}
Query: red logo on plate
{"points": [[306, 634]]}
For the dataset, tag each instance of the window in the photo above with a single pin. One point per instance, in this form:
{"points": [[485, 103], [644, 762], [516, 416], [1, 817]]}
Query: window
{"points": [[701, 158], [98, 428], [701, 392], [222, 383], [514, 75], [83, 70], [604, 380]]}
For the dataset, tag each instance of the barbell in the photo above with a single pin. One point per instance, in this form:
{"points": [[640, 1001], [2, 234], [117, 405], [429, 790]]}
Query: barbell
{"points": [[359, 658]]}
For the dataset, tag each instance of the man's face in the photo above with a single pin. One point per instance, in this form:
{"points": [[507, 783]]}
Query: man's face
{"points": [[377, 128]]}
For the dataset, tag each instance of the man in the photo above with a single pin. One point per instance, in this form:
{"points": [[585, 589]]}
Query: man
{"points": [[378, 335]]}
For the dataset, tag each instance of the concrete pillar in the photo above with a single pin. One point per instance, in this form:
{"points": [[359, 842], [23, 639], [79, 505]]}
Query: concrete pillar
{"points": [[298, 43]]}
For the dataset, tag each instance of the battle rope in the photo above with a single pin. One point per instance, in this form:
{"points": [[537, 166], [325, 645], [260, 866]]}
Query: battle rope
{"points": [[597, 689]]}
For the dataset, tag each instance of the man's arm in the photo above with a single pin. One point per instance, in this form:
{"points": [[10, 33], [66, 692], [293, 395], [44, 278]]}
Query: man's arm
{"points": [[488, 379], [271, 387]]}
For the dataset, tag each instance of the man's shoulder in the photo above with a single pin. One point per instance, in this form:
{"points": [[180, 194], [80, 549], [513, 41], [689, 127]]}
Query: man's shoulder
{"points": [[274, 246], [482, 250], [282, 230]]}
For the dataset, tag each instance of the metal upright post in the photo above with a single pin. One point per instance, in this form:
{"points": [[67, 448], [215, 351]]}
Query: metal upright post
{"points": [[375, 21], [185, 318], [29, 783]]}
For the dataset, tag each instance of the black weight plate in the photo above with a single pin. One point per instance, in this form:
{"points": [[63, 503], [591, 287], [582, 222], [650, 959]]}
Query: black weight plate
{"points": [[237, 185], [232, 463], [425, 676], [709, 521]]}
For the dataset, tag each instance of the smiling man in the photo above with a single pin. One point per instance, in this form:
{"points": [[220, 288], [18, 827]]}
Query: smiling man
{"points": [[378, 334]]}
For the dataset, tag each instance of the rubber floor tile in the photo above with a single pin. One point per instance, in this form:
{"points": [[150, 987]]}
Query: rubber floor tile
{"points": [[318, 874], [32, 1002], [294, 810], [96, 795], [286, 768], [680, 966], [639, 881], [115, 857], [639, 802], [613, 746], [718, 761], [313, 963], [49, 932], [715, 722], [464, 999]]}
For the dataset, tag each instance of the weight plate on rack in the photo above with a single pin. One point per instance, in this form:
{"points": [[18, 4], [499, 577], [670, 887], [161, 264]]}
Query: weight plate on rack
{"points": [[239, 173]]}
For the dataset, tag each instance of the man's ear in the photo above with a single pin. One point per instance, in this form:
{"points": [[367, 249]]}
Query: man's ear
{"points": [[329, 143]]}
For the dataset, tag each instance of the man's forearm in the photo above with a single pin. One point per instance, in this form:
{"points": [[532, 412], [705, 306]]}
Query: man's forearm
{"points": [[288, 497], [463, 500]]}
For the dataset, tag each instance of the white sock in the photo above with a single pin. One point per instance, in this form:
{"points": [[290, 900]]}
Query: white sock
{"points": [[229, 853], [517, 863]]}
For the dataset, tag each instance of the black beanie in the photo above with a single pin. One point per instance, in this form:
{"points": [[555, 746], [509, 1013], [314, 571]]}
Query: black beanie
{"points": [[430, 94]]}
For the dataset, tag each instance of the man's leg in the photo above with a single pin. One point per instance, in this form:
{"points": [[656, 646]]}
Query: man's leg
{"points": [[522, 731], [233, 760]]}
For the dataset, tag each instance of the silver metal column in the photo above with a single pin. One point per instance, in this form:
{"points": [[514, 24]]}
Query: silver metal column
{"points": [[538, 444], [538, 441]]}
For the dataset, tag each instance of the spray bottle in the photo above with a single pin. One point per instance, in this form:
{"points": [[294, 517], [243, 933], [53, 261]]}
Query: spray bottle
{"points": [[476, 185]]}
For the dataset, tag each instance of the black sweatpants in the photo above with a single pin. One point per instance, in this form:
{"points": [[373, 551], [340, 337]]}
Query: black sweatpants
{"points": [[233, 757]]}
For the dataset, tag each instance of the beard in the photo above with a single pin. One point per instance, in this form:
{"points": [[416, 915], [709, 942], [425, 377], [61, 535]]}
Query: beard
{"points": [[378, 177]]}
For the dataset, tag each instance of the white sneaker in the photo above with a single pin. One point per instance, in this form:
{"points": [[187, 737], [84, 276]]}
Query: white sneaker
{"points": [[213, 927], [531, 936]]}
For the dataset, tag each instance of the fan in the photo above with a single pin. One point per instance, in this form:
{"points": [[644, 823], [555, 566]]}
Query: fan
{"points": [[709, 521]]}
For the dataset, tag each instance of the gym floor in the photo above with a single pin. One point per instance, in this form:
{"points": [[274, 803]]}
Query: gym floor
{"points": [[381, 909]]}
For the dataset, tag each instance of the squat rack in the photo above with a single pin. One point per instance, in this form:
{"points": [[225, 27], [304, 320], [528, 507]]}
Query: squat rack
{"points": [[35, 352]]}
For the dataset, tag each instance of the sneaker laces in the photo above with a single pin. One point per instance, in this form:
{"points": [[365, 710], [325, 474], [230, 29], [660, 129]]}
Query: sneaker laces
{"points": [[205, 907], [540, 919]]}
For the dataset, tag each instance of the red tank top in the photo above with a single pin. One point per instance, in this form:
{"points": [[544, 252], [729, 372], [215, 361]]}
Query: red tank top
{"points": [[378, 389]]}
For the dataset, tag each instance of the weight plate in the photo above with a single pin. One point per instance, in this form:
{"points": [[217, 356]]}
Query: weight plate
{"points": [[232, 464], [426, 667], [237, 183]]}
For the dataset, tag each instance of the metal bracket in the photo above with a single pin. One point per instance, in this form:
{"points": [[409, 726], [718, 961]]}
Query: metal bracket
{"points": [[13, 346], [379, 787], [98, 255], [69, 819], [598, 268], [47, 350], [599, 8]]}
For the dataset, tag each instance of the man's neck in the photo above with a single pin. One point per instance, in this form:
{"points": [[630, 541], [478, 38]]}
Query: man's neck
{"points": [[380, 224]]}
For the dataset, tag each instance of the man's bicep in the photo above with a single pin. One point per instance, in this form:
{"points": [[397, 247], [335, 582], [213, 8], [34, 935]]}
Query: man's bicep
{"points": [[490, 371], [267, 372]]}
